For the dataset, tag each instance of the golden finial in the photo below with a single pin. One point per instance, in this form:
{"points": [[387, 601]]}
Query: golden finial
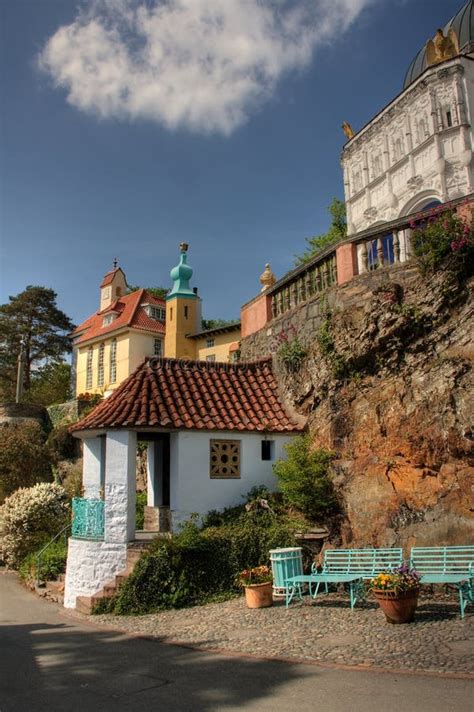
{"points": [[348, 130], [183, 246], [267, 279], [442, 47]]}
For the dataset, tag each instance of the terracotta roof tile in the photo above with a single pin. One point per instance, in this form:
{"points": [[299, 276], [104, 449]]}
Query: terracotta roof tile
{"points": [[130, 314], [195, 395]]}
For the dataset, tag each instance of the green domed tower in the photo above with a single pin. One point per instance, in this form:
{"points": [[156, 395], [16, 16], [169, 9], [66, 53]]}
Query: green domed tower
{"points": [[183, 311]]}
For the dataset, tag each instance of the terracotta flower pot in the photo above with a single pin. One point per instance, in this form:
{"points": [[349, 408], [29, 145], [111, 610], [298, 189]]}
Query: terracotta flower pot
{"points": [[259, 595], [399, 607]]}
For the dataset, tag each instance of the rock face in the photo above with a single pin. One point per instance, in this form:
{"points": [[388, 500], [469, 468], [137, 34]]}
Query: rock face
{"points": [[387, 383]]}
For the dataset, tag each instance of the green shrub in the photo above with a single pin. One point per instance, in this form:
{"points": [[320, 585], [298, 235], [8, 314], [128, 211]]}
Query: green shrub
{"points": [[305, 481], [201, 564], [52, 563], [61, 445], [23, 457], [443, 237], [292, 354], [140, 505], [29, 517]]}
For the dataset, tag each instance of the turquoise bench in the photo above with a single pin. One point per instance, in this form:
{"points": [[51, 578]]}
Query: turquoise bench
{"points": [[351, 566], [447, 564]]}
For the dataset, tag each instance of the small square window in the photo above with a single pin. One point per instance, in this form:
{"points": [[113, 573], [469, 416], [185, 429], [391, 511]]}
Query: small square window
{"points": [[224, 459], [211, 358], [268, 449], [209, 343]]}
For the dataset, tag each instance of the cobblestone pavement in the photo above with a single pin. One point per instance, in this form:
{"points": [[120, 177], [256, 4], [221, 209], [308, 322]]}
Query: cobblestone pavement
{"points": [[326, 631]]}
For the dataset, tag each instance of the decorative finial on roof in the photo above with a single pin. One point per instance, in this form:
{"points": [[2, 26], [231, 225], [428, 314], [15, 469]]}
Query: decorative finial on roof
{"points": [[267, 279], [181, 274], [115, 263], [442, 47], [348, 130]]}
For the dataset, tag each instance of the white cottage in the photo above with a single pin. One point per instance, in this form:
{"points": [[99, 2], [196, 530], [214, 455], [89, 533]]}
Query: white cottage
{"points": [[213, 432]]}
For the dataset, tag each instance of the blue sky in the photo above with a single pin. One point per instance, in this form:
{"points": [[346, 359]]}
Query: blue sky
{"points": [[151, 141]]}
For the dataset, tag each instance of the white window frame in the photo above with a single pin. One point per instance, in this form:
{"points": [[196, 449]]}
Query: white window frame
{"points": [[89, 367], [210, 342], [113, 361], [100, 365]]}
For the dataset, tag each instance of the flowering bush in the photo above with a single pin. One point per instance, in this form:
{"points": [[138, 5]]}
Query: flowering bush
{"points": [[259, 574], [439, 236], [29, 517], [401, 579]]}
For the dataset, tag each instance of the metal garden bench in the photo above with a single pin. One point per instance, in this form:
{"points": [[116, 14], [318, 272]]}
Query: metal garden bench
{"points": [[447, 564], [351, 566]]}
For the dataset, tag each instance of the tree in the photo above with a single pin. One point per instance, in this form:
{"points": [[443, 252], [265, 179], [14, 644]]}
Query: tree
{"points": [[31, 316], [158, 292], [23, 456], [50, 384], [216, 323], [337, 231]]}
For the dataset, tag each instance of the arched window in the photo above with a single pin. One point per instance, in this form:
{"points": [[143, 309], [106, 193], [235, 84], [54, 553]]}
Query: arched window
{"points": [[113, 361], [100, 368], [398, 149], [90, 354]]}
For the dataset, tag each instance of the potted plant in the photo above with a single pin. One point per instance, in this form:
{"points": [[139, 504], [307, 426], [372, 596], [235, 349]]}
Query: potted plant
{"points": [[397, 593], [257, 583]]}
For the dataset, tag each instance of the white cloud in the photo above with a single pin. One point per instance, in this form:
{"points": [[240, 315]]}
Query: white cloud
{"points": [[203, 65]]}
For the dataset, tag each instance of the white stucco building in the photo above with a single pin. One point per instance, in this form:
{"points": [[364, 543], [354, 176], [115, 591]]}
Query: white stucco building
{"points": [[213, 430], [417, 151]]}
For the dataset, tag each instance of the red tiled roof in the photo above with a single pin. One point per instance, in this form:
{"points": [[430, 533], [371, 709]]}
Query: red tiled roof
{"points": [[130, 313], [109, 277], [195, 395]]}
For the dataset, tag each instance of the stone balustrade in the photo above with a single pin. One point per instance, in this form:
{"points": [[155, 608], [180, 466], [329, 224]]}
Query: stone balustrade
{"points": [[381, 247]]}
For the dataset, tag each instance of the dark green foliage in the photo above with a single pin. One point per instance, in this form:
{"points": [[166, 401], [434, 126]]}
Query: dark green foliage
{"points": [[61, 445], [327, 347], [140, 505], [207, 324], [305, 479], [201, 564], [292, 354], [23, 456], [50, 384], [158, 292], [443, 237], [52, 563], [34, 317], [337, 231]]}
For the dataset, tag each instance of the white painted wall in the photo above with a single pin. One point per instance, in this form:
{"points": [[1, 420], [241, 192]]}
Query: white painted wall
{"points": [[120, 485], [90, 564], [193, 490], [407, 155]]}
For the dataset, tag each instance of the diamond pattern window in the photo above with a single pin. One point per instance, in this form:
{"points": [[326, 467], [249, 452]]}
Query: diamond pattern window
{"points": [[225, 459]]}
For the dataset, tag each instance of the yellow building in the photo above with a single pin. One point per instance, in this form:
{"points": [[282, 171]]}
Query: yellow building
{"points": [[110, 344], [185, 338]]}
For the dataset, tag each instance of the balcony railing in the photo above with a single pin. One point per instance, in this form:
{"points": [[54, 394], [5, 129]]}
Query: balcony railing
{"points": [[87, 518], [304, 283]]}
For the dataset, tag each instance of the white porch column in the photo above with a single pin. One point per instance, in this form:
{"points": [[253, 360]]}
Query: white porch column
{"points": [[92, 467], [120, 486], [155, 474]]}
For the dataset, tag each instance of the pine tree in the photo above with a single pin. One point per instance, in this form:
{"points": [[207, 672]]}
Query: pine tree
{"points": [[34, 318]]}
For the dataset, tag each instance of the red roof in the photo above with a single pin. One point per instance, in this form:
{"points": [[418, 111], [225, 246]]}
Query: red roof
{"points": [[130, 313], [109, 277], [195, 395]]}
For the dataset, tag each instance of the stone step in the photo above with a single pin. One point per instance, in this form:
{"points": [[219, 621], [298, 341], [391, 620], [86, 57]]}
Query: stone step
{"points": [[84, 604], [120, 578], [109, 589], [56, 586]]}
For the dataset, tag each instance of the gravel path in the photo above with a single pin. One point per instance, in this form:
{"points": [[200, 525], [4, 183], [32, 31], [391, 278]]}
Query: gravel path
{"points": [[326, 631]]}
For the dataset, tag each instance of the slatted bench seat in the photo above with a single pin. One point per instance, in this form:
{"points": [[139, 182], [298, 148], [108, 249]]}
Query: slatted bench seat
{"points": [[351, 566], [447, 564]]}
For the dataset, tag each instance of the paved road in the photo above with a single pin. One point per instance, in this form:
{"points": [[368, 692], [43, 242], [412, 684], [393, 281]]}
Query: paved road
{"points": [[52, 663]]}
